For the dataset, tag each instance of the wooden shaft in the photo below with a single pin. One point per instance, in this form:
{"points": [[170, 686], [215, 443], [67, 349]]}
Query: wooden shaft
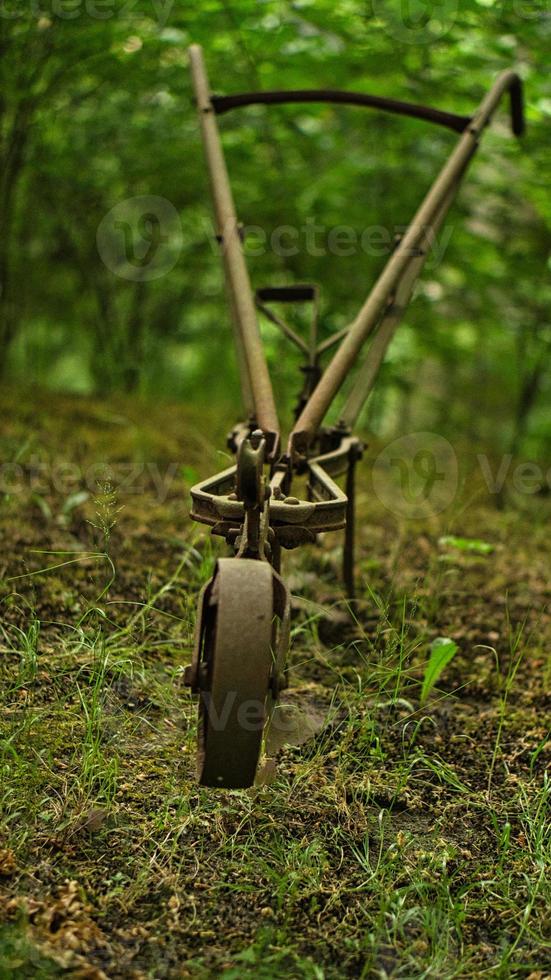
{"points": [[244, 379], [234, 262], [369, 370], [312, 415]]}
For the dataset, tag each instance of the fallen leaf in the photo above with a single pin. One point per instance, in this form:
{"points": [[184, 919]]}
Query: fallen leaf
{"points": [[7, 863]]}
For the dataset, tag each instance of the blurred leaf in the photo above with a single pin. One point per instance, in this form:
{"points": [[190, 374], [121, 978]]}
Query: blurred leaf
{"points": [[75, 500], [467, 544]]}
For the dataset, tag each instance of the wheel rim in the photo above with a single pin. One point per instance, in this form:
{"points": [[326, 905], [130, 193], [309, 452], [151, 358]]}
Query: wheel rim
{"points": [[237, 661]]}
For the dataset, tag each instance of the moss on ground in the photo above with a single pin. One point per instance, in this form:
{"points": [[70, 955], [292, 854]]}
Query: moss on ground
{"points": [[401, 840]]}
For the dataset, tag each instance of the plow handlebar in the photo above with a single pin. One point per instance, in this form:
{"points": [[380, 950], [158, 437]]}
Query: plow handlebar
{"points": [[244, 614], [390, 294], [451, 120]]}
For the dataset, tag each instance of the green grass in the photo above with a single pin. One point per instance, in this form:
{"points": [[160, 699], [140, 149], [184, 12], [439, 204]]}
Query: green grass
{"points": [[408, 838]]}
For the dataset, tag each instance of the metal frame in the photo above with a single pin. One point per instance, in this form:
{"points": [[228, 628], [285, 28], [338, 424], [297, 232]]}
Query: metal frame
{"points": [[388, 298], [255, 513], [215, 501]]}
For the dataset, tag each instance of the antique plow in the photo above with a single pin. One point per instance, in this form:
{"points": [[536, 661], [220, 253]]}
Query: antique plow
{"points": [[242, 636]]}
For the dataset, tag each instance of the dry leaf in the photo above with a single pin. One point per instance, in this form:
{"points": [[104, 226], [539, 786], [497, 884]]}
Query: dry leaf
{"points": [[7, 863]]}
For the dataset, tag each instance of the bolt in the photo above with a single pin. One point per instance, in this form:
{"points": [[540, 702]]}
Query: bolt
{"points": [[232, 496], [291, 500], [256, 438]]}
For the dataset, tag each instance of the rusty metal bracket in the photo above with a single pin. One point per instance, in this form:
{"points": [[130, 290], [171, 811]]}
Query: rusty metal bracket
{"points": [[215, 501]]}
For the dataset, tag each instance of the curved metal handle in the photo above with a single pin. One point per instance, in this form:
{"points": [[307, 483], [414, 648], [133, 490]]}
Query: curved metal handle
{"points": [[225, 103], [507, 81], [517, 106]]}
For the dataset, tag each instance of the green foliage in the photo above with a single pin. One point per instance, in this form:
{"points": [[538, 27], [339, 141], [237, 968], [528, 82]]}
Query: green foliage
{"points": [[442, 651], [97, 111], [467, 544]]}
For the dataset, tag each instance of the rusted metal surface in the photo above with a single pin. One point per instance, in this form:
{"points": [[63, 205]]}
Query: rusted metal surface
{"points": [[239, 661], [215, 501], [236, 651]]}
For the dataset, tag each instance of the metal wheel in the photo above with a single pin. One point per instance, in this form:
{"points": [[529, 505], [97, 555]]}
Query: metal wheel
{"points": [[235, 670]]}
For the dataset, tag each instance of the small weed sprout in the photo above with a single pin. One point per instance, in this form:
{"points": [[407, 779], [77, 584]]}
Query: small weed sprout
{"points": [[26, 645], [442, 651], [29, 651], [99, 770]]}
